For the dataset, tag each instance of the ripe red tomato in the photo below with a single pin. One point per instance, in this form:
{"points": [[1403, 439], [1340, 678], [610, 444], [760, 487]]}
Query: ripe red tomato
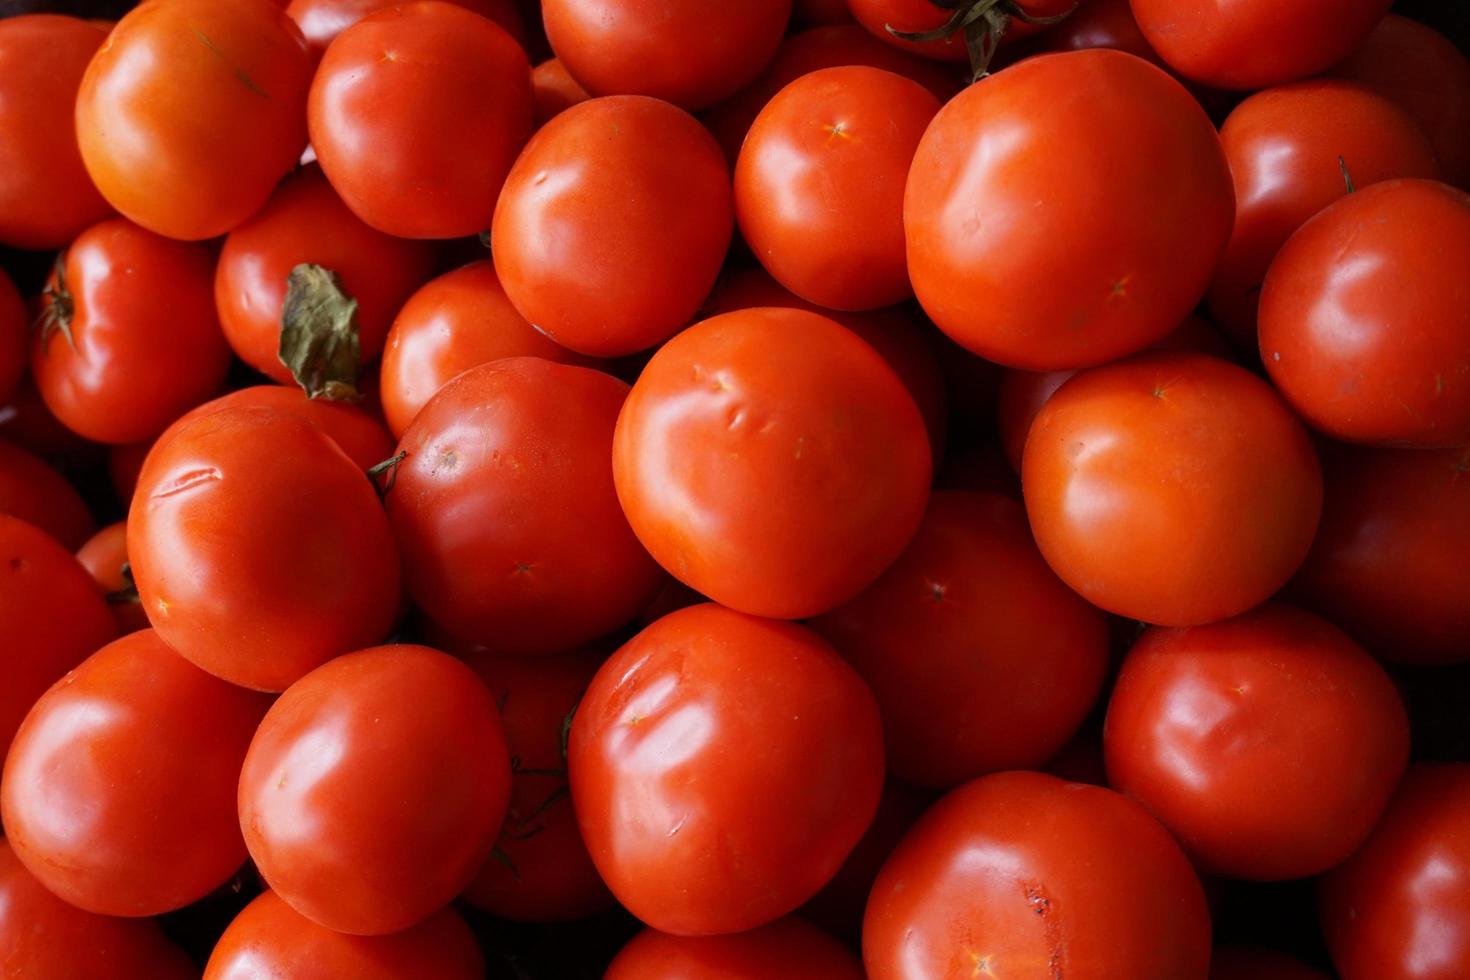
{"points": [[14, 336], [374, 789], [119, 789], [770, 460], [1171, 488], [819, 184], [1022, 874], [322, 20], [455, 81], [46, 197], [1100, 24], [1070, 237], [640, 199], [37, 494], [1268, 744], [554, 90], [1288, 148], [129, 337], [1229, 963], [722, 766], [104, 556], [1400, 906], [1012, 660], [884, 17], [192, 111], [256, 585], [784, 948]]}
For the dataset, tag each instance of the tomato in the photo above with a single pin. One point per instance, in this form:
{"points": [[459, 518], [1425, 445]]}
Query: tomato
{"points": [[455, 81], [1022, 874], [505, 510], [256, 585], [374, 789], [640, 199], [105, 557], [1365, 322], [455, 322], [770, 460], [826, 142], [998, 19], [554, 90], [192, 111], [129, 337], [1171, 488], [37, 494], [1400, 906], [1071, 237], [1290, 150], [1011, 659], [14, 335], [306, 222], [784, 948], [1101, 24], [322, 20], [46, 197], [109, 844], [618, 47], [722, 766], [1255, 43], [1259, 964]]}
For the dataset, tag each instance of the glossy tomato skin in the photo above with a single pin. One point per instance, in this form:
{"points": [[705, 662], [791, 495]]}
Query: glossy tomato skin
{"points": [[1231, 963], [1025, 256], [104, 556], [39, 495], [1287, 148], [681, 749], [145, 341], [1025, 874], [1171, 488], [1400, 906], [769, 459], [192, 111], [981, 659], [554, 90], [819, 184], [14, 337], [399, 821], [107, 844], [785, 948], [1364, 322], [305, 221], [641, 200], [46, 197], [457, 81], [322, 20], [1269, 744], [256, 585]]}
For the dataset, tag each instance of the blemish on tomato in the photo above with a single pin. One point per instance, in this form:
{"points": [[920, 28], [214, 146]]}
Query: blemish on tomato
{"points": [[187, 481]]}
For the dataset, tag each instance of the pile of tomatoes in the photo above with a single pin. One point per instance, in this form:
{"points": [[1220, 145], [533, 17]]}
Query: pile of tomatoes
{"points": [[894, 488]]}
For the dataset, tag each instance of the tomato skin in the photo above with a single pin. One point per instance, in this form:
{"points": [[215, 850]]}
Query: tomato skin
{"points": [[1052, 283], [322, 20], [1082, 882], [554, 90], [14, 337], [641, 200], [407, 812], [689, 840], [37, 494], [784, 948], [1259, 964], [103, 556], [108, 845], [1171, 488], [192, 110], [457, 81], [769, 459]]}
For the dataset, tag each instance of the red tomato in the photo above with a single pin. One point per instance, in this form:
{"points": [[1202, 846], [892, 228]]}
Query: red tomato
{"points": [[640, 200], [1365, 318], [1400, 906], [1101, 24], [416, 114], [770, 460], [259, 549], [827, 141], [46, 197], [1071, 237], [1259, 964], [722, 767], [322, 20], [1288, 148], [129, 337], [119, 789], [1022, 874], [554, 90], [784, 948], [105, 556], [375, 787], [1012, 660], [627, 47], [14, 332], [192, 111], [1171, 488], [37, 494], [884, 17]]}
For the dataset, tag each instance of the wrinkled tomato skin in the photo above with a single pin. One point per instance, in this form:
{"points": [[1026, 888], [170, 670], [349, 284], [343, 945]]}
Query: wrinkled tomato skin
{"points": [[103, 556], [554, 90], [784, 948], [1259, 964], [322, 20], [39, 495]]}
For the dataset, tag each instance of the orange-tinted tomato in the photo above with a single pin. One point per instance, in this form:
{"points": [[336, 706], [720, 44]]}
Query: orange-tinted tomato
{"points": [[37, 494], [784, 948], [554, 90], [322, 20], [104, 556]]}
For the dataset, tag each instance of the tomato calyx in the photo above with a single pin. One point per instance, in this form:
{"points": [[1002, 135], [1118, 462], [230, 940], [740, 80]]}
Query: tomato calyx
{"points": [[57, 307], [319, 335], [984, 23], [388, 466], [1347, 178], [128, 594]]}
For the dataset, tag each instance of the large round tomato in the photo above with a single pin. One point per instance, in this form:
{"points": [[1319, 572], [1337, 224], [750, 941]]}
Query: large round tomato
{"points": [[722, 766], [784, 948], [1070, 237], [554, 90], [1022, 874], [105, 557], [771, 460], [1172, 488], [119, 789], [14, 337], [37, 494], [322, 20], [639, 197], [192, 111]]}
